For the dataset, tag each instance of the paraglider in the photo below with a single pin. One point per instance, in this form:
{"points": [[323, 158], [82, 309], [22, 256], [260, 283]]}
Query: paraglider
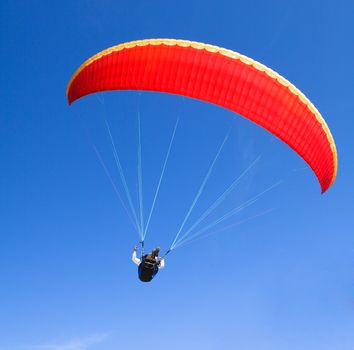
{"points": [[149, 264], [219, 76]]}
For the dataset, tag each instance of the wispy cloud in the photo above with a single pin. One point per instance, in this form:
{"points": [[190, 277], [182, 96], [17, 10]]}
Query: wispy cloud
{"points": [[83, 343]]}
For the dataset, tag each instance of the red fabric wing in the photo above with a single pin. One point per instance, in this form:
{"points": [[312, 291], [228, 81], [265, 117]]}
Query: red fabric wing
{"points": [[216, 78]]}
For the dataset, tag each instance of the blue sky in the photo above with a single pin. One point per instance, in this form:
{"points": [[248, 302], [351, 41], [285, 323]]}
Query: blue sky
{"points": [[282, 280]]}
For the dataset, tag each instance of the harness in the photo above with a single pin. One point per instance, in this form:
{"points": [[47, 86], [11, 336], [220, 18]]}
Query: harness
{"points": [[148, 269]]}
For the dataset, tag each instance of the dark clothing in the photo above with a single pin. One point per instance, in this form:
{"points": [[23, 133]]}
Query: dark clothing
{"points": [[147, 269]]}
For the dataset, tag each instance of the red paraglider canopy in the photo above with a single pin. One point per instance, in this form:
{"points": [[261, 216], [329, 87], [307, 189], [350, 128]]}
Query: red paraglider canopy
{"points": [[219, 76]]}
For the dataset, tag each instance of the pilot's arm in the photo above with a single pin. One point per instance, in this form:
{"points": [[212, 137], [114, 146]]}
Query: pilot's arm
{"points": [[135, 260]]}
